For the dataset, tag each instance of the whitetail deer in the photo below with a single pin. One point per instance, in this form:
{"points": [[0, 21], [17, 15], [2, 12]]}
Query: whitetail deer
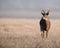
{"points": [[44, 23]]}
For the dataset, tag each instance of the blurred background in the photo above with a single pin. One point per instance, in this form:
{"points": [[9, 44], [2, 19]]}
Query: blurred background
{"points": [[29, 8]]}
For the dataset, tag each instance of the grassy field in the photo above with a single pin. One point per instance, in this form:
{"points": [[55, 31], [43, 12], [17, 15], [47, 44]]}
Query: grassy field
{"points": [[25, 33]]}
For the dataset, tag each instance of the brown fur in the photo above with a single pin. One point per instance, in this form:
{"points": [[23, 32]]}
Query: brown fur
{"points": [[47, 23]]}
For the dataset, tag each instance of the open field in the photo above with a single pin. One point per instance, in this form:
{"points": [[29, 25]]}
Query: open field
{"points": [[25, 33]]}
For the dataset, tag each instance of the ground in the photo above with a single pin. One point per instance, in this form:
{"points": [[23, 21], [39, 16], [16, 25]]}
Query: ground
{"points": [[25, 33]]}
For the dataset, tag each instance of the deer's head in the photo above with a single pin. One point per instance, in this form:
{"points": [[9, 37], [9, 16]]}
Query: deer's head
{"points": [[45, 13]]}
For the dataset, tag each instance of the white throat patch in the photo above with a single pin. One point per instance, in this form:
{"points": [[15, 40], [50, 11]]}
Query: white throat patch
{"points": [[45, 18]]}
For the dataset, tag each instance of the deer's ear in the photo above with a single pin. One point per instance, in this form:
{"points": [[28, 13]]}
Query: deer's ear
{"points": [[42, 12], [48, 12]]}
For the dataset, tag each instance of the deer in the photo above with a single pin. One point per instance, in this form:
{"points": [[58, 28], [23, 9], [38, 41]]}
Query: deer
{"points": [[45, 24]]}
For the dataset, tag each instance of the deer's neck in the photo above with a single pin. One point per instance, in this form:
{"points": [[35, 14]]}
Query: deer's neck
{"points": [[46, 18]]}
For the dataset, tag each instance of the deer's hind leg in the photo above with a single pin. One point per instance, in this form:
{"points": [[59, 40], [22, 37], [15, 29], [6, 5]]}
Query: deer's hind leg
{"points": [[46, 34], [42, 34]]}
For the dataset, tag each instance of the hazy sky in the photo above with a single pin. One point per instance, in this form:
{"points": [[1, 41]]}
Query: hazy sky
{"points": [[28, 8]]}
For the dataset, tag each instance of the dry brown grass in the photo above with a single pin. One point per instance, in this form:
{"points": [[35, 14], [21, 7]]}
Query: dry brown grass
{"points": [[25, 33]]}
